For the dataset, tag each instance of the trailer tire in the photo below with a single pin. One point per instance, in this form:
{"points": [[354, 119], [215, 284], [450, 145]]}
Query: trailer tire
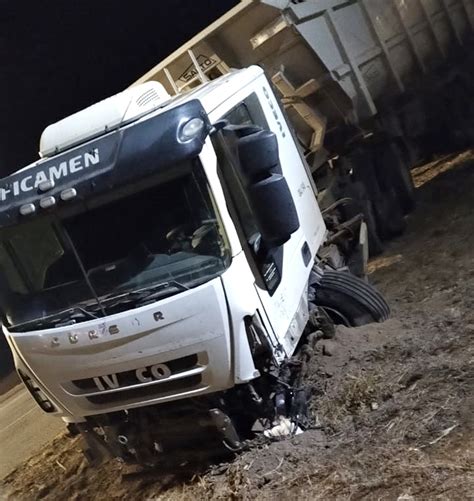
{"points": [[389, 215], [394, 166], [349, 300], [362, 204], [376, 246], [384, 202]]}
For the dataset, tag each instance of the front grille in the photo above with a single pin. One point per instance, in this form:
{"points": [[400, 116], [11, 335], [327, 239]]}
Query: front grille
{"points": [[129, 379], [153, 391]]}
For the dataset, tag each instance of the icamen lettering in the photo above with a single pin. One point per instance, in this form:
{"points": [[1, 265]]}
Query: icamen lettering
{"points": [[54, 172]]}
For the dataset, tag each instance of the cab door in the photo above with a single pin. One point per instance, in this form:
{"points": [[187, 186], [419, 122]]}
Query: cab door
{"points": [[281, 278]]}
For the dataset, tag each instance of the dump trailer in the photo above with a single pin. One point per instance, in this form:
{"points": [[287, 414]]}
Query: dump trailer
{"points": [[169, 263], [370, 87]]}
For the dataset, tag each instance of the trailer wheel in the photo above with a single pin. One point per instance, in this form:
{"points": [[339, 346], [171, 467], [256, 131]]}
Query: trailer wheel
{"points": [[376, 246], [391, 222], [384, 202], [350, 301], [361, 204], [392, 164]]}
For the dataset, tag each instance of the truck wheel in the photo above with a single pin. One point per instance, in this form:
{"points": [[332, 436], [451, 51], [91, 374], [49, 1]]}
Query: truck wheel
{"points": [[393, 165], [349, 300], [385, 204], [388, 212], [376, 246], [361, 204]]}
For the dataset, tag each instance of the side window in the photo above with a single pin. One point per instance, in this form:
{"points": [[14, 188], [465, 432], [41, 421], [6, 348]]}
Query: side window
{"points": [[239, 115], [248, 112], [234, 184]]}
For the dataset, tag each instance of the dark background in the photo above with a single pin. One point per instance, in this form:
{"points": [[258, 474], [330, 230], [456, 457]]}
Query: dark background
{"points": [[59, 56]]}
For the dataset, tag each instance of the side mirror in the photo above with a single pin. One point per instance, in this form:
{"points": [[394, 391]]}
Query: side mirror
{"points": [[268, 191], [258, 155], [274, 209]]}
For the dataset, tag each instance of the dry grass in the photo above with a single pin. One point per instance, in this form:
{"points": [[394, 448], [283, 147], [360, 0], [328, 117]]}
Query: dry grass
{"points": [[428, 172], [357, 394]]}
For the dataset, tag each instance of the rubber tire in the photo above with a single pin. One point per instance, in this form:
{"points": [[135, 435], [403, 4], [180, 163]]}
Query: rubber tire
{"points": [[392, 164], [376, 246], [349, 300], [361, 204], [384, 202], [389, 215]]}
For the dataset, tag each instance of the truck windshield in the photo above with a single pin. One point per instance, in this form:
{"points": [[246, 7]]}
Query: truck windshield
{"points": [[165, 238]]}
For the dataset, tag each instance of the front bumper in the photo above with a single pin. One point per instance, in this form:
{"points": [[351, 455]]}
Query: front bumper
{"points": [[172, 349]]}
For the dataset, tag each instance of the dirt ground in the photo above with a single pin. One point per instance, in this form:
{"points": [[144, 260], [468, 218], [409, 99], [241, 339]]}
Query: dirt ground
{"points": [[393, 403]]}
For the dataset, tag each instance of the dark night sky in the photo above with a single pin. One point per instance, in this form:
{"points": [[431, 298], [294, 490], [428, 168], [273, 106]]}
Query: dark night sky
{"points": [[60, 56]]}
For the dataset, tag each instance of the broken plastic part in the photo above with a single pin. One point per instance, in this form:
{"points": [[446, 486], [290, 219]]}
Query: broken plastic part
{"points": [[283, 428]]}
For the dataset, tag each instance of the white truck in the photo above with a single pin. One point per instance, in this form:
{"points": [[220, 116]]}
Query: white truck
{"points": [[166, 268]]}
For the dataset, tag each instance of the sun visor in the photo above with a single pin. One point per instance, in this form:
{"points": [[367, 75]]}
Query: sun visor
{"points": [[115, 160]]}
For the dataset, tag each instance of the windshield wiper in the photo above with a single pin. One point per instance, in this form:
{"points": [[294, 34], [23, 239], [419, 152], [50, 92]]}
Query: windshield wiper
{"points": [[140, 295], [71, 315], [65, 317], [83, 270]]}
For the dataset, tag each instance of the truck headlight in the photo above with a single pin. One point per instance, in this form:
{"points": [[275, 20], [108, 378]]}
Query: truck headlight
{"points": [[191, 129]]}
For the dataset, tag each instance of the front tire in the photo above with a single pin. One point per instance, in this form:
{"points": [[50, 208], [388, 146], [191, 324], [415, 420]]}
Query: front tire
{"points": [[349, 300]]}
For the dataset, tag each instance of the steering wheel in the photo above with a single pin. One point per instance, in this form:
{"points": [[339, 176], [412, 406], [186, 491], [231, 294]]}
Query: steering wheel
{"points": [[201, 233], [177, 232], [179, 238]]}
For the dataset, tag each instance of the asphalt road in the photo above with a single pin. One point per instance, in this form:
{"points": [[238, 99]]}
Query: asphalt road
{"points": [[24, 428]]}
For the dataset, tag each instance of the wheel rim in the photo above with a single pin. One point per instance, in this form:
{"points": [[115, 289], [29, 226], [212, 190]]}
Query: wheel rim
{"points": [[337, 317]]}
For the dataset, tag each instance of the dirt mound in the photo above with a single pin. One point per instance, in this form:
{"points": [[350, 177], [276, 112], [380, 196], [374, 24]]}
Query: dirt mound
{"points": [[392, 403]]}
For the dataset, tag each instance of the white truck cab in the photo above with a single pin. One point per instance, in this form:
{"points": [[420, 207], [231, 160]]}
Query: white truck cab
{"points": [[160, 265]]}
